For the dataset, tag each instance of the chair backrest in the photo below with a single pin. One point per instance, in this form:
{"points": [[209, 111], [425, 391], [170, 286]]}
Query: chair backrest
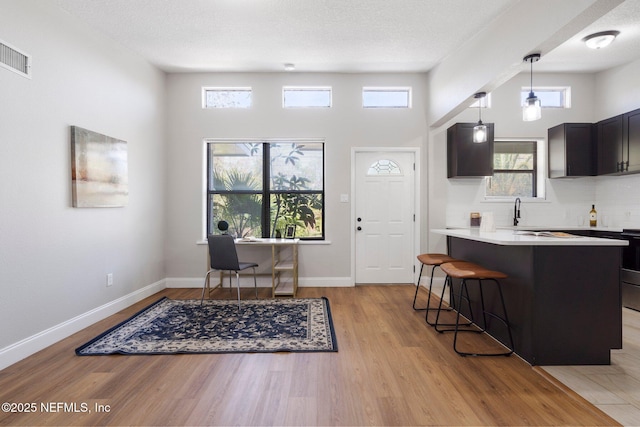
{"points": [[222, 252]]}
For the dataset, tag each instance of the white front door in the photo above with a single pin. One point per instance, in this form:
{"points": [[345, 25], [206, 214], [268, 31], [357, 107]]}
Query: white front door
{"points": [[385, 217]]}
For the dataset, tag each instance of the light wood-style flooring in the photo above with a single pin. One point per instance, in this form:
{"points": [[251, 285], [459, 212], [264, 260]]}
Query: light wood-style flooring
{"points": [[391, 369]]}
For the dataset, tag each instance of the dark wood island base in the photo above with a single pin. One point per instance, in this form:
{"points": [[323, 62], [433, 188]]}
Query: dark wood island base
{"points": [[563, 302]]}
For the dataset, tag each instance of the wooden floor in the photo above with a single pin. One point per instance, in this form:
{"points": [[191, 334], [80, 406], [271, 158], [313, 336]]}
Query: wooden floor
{"points": [[391, 369]]}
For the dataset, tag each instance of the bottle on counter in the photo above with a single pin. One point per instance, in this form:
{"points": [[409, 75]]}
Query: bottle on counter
{"points": [[593, 216]]}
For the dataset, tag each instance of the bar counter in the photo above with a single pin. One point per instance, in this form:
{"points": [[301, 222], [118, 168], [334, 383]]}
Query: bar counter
{"points": [[562, 294]]}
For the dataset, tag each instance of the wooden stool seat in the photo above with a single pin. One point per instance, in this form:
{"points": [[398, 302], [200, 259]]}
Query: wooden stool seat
{"points": [[468, 271], [434, 260]]}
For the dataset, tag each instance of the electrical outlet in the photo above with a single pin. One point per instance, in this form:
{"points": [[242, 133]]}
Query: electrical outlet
{"points": [[109, 279]]}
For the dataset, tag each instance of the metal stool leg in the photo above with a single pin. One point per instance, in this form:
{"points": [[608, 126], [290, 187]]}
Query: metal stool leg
{"points": [[504, 320], [415, 296], [448, 280]]}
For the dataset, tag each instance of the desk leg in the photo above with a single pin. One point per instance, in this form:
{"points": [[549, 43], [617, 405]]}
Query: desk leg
{"points": [[273, 271]]}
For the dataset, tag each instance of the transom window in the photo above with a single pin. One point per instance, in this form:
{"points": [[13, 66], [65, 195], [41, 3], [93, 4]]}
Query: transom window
{"points": [[306, 97], [386, 97], [515, 168], [550, 97], [226, 97], [261, 187]]}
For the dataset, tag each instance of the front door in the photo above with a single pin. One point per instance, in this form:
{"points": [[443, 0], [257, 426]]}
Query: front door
{"points": [[385, 217]]}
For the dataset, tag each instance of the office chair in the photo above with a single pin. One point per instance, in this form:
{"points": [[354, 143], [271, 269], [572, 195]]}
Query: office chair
{"points": [[224, 257]]}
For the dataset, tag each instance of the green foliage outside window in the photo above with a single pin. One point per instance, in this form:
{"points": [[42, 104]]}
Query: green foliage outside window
{"points": [[294, 188]]}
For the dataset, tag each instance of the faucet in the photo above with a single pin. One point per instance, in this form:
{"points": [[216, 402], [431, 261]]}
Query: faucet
{"points": [[516, 211]]}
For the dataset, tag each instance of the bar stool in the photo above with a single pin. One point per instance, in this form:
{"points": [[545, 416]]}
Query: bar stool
{"points": [[433, 260], [467, 271]]}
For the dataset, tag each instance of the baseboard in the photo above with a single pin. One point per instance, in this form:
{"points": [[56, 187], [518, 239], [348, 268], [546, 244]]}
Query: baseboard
{"points": [[30, 345], [263, 281]]}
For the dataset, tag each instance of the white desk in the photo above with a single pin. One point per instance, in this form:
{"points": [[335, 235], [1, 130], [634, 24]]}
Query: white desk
{"points": [[281, 264]]}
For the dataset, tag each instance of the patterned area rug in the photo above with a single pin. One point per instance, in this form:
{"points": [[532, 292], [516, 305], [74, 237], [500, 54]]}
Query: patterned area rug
{"points": [[183, 326]]}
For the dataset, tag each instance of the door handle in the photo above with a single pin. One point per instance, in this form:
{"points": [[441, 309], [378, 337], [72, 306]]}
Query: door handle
{"points": [[359, 228], [359, 219]]}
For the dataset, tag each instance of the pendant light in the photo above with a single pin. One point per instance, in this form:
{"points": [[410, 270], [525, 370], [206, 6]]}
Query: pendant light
{"points": [[531, 110], [480, 130]]}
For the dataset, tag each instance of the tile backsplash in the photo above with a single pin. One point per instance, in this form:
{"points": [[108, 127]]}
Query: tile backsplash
{"points": [[567, 203]]}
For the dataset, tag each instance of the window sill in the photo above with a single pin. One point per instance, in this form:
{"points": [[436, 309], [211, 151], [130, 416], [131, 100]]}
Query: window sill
{"points": [[300, 243]]}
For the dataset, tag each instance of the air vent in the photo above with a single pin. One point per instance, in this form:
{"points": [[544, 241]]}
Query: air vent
{"points": [[14, 60]]}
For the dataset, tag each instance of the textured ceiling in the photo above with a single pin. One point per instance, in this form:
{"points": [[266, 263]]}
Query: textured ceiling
{"points": [[315, 35], [327, 35]]}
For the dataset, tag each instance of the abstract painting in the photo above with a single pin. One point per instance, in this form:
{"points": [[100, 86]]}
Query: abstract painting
{"points": [[99, 175]]}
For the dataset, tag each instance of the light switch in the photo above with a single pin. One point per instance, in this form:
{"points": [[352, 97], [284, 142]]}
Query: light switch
{"points": [[344, 198]]}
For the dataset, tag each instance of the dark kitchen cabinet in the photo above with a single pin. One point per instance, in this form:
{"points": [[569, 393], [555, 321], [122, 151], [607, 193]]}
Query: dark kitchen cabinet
{"points": [[619, 144], [466, 158], [571, 150], [610, 145], [631, 132]]}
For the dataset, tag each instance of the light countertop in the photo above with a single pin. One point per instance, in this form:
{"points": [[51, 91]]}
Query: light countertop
{"points": [[509, 237]]}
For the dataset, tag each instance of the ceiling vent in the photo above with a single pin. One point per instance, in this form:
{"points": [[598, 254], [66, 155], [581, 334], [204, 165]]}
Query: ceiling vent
{"points": [[14, 60]]}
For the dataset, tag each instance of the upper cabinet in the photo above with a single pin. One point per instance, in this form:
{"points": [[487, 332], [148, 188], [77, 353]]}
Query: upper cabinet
{"points": [[465, 158], [571, 150], [631, 130], [610, 145], [619, 144]]}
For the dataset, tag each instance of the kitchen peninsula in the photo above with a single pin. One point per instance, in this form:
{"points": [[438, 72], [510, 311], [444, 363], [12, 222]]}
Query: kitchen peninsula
{"points": [[562, 293]]}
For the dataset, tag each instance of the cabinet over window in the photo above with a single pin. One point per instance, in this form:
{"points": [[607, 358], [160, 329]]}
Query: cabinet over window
{"points": [[465, 158]]}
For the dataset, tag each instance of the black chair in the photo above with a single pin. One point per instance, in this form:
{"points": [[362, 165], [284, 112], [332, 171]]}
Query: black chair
{"points": [[223, 257]]}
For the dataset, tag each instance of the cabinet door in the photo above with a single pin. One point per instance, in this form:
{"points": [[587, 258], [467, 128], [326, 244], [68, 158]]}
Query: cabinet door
{"points": [[466, 158], [632, 135], [570, 150], [610, 145]]}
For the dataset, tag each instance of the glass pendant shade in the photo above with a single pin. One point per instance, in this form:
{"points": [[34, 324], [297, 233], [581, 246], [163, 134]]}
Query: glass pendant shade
{"points": [[531, 110], [480, 132]]}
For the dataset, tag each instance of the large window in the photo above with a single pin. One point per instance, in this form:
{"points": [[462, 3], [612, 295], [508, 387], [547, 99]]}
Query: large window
{"points": [[261, 187], [515, 168]]}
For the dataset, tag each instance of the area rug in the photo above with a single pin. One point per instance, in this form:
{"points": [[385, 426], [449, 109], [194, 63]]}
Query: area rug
{"points": [[184, 326]]}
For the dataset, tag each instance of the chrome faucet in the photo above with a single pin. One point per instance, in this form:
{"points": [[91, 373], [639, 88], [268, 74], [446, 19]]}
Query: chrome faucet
{"points": [[516, 211]]}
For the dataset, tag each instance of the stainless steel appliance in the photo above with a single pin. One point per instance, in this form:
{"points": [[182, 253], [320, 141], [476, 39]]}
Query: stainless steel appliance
{"points": [[630, 271]]}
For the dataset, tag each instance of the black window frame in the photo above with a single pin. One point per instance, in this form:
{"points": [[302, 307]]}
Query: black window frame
{"points": [[266, 191], [533, 172]]}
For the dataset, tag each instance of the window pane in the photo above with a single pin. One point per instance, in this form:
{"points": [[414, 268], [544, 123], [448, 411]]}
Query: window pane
{"points": [[386, 98], [510, 184], [235, 167], [384, 167], [241, 211], [227, 97], [549, 97], [302, 210], [296, 166], [513, 161], [306, 97]]}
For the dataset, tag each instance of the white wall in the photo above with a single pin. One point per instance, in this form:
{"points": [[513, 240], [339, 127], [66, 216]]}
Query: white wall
{"points": [[54, 258], [344, 126]]}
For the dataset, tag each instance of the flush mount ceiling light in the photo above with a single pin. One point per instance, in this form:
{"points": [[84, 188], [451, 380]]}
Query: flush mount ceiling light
{"points": [[601, 39], [289, 67], [531, 109], [480, 130]]}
